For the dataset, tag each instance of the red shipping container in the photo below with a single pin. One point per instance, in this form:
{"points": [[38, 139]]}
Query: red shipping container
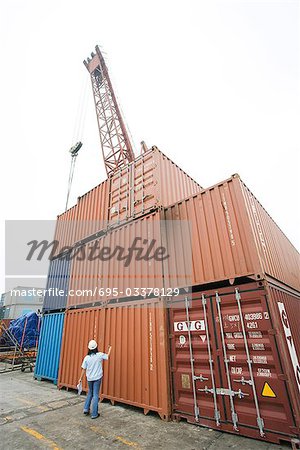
{"points": [[234, 362], [230, 236]]}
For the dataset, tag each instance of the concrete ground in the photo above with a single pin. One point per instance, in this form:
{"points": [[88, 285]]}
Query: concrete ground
{"points": [[36, 415]]}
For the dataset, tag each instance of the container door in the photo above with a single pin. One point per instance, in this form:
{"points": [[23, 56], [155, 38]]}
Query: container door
{"points": [[226, 369], [194, 370], [252, 386], [121, 195]]}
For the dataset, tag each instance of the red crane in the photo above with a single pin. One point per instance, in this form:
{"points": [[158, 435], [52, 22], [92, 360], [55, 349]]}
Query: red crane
{"points": [[116, 146]]}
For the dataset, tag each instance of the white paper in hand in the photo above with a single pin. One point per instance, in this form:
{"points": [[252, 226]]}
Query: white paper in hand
{"points": [[79, 388]]}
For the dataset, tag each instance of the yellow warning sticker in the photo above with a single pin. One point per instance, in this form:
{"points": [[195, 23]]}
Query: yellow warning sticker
{"points": [[267, 391]]}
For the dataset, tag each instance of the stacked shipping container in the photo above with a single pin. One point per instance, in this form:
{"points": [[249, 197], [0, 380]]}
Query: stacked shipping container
{"points": [[48, 356], [234, 349], [231, 236], [137, 371], [105, 216], [137, 330], [241, 378], [98, 278], [55, 301], [151, 181]]}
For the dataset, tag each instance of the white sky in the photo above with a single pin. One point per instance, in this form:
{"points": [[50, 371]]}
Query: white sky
{"points": [[215, 85]]}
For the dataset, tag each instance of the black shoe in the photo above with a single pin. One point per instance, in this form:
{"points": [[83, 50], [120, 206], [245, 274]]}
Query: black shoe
{"points": [[86, 413], [95, 417]]}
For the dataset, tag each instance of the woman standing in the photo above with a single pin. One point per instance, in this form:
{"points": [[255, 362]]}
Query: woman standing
{"points": [[92, 364]]}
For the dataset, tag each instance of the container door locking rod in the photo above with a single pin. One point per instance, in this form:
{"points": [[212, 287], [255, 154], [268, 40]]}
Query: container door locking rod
{"points": [[233, 413], [217, 412], [251, 382], [196, 409]]}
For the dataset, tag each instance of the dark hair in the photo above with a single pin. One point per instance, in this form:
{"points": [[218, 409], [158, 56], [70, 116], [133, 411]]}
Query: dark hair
{"points": [[92, 352]]}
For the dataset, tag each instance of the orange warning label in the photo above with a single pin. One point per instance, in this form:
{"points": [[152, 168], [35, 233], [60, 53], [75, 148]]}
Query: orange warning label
{"points": [[267, 391]]}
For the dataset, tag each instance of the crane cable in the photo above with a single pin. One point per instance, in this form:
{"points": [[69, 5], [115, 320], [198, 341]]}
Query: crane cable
{"points": [[78, 131]]}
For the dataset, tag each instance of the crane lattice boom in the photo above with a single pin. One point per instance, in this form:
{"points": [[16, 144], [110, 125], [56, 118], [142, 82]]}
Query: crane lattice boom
{"points": [[116, 146]]}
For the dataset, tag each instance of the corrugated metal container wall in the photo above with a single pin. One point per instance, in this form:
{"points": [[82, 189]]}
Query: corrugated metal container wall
{"points": [[87, 276], [151, 181], [288, 304], [58, 280], [240, 380], [279, 257], [174, 183], [222, 240], [65, 229], [47, 361], [219, 236], [92, 213], [137, 370]]}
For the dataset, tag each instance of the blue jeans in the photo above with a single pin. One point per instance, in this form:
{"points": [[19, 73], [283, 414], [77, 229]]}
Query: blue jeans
{"points": [[93, 397]]}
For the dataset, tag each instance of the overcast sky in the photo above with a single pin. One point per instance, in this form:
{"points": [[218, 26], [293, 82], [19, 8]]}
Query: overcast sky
{"points": [[215, 85]]}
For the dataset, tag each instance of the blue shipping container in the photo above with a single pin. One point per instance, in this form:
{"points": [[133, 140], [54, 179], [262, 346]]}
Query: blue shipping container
{"points": [[58, 280], [47, 362]]}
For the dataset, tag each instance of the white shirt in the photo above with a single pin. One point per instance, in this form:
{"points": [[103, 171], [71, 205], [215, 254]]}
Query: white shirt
{"points": [[93, 365]]}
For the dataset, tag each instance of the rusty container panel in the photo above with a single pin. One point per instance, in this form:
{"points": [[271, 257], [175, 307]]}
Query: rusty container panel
{"points": [[4, 323], [219, 237], [223, 236], [95, 278], [92, 211], [239, 380], [65, 231], [137, 370], [291, 303], [152, 180], [286, 303], [174, 183], [279, 258]]}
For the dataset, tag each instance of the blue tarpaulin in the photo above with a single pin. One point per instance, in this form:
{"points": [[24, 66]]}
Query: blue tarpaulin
{"points": [[29, 322]]}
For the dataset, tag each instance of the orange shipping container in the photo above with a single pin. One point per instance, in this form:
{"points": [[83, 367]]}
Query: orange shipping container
{"points": [[230, 236], [65, 229], [95, 279], [88, 216], [137, 370], [152, 180], [92, 211]]}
